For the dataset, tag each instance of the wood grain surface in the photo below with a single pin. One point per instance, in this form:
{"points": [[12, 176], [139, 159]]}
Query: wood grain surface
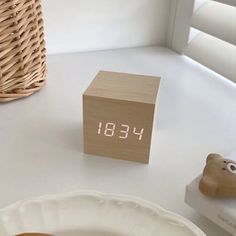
{"points": [[125, 104]]}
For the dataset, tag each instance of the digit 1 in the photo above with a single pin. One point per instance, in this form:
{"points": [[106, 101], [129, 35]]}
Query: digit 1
{"points": [[99, 127], [139, 134]]}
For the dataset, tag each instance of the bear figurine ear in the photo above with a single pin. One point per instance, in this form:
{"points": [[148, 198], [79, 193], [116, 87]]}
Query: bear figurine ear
{"points": [[213, 156]]}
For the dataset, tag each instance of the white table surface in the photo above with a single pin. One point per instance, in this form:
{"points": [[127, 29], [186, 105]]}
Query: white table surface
{"points": [[41, 149]]}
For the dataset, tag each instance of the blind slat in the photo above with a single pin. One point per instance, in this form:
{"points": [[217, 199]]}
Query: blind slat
{"points": [[214, 53], [216, 19], [229, 2]]}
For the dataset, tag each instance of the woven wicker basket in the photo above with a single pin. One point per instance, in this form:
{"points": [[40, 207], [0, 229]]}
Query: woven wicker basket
{"points": [[22, 49]]}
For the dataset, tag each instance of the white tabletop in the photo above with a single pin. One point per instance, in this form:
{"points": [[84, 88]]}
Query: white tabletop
{"points": [[41, 148]]}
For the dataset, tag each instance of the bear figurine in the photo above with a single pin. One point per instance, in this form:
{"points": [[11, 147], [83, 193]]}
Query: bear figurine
{"points": [[219, 177]]}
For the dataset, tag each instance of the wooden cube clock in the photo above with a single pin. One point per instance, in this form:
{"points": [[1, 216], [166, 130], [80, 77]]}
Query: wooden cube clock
{"points": [[118, 111]]}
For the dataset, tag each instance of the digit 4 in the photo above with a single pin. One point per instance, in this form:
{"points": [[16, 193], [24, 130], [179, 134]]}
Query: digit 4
{"points": [[140, 134]]}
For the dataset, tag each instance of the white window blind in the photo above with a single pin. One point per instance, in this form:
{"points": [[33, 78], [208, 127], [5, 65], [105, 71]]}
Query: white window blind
{"points": [[216, 19], [229, 2], [211, 37]]}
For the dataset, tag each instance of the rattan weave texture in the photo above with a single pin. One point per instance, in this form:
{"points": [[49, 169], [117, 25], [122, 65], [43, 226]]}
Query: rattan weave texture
{"points": [[22, 49]]}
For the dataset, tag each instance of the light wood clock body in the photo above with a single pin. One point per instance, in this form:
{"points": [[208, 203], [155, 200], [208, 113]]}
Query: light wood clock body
{"points": [[118, 111]]}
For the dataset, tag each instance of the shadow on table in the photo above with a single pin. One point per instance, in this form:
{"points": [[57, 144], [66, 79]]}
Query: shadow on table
{"points": [[53, 134]]}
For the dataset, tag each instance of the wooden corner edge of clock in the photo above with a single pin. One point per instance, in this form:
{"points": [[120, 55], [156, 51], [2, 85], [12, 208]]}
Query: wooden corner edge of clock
{"points": [[34, 234], [143, 161]]}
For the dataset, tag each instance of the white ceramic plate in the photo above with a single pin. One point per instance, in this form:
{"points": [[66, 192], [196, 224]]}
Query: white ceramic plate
{"points": [[93, 214]]}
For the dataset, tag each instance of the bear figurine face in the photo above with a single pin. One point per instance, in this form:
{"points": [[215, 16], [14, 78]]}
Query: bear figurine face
{"points": [[219, 177]]}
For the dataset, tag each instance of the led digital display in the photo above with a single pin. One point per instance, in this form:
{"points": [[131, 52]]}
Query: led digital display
{"points": [[122, 131]]}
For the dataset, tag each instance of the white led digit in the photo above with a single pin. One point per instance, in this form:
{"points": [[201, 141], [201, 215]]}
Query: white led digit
{"points": [[109, 129], [125, 132], [99, 127], [137, 133]]}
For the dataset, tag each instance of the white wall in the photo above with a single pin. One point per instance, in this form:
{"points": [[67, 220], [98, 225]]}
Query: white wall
{"points": [[81, 25]]}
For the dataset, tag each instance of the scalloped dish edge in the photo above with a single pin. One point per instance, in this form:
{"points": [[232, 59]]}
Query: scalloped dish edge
{"points": [[169, 216]]}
